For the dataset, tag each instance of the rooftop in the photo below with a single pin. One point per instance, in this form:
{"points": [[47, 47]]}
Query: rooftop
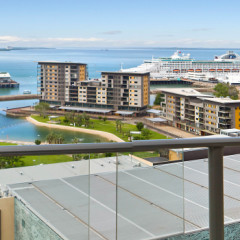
{"points": [[4, 75], [220, 100], [61, 170], [150, 200], [57, 62], [127, 73], [232, 130], [188, 92], [82, 109]]}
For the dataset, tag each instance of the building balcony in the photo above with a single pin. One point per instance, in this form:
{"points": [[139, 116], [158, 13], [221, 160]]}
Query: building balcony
{"points": [[224, 110], [224, 116], [122, 198]]}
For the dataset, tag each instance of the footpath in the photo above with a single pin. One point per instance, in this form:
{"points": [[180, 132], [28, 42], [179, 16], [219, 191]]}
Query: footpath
{"points": [[166, 130]]}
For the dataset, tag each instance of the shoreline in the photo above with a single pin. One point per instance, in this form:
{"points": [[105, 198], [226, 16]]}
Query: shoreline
{"points": [[108, 136]]}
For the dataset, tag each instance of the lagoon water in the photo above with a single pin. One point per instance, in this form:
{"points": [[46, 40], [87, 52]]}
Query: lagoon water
{"points": [[22, 65]]}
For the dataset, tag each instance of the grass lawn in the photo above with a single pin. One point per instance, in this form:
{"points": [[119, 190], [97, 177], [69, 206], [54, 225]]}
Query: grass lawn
{"points": [[107, 126], [46, 159], [6, 144]]}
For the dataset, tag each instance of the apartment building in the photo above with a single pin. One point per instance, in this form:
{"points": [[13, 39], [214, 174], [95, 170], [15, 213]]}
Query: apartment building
{"points": [[57, 81], [193, 111], [117, 91], [66, 84]]}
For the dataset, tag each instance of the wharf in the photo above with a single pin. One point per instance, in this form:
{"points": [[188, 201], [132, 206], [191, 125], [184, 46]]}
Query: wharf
{"points": [[181, 81], [9, 84], [18, 97]]}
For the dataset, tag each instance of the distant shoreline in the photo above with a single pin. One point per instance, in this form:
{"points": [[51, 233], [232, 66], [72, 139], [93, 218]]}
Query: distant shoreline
{"points": [[108, 136], [22, 48]]}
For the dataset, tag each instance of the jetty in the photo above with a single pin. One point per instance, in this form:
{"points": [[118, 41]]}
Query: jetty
{"points": [[19, 97]]}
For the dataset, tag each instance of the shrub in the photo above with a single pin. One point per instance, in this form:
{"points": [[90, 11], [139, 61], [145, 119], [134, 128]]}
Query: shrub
{"points": [[37, 142]]}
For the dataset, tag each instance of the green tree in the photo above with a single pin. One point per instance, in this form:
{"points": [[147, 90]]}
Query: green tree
{"points": [[42, 108], [120, 125], [69, 117], [76, 140], [226, 90], [37, 142], [159, 99], [86, 119], [104, 119], [140, 126], [146, 134], [138, 137], [79, 120], [77, 157], [108, 154], [59, 139], [221, 90], [51, 137], [11, 162], [117, 124], [233, 92]]}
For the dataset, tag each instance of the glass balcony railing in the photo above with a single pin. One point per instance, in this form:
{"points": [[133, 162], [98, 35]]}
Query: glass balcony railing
{"points": [[120, 191]]}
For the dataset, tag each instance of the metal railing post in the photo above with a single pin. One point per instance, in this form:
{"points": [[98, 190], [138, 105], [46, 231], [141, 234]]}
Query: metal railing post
{"points": [[216, 195]]}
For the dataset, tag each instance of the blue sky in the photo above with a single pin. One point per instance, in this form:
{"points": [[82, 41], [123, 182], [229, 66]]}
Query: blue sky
{"points": [[111, 23]]}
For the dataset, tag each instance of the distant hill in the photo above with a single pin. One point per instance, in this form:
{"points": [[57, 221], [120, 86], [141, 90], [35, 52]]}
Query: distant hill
{"points": [[22, 48]]}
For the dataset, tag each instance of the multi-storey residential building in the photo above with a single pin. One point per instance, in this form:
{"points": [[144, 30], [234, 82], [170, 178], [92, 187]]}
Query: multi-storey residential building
{"points": [[195, 112], [126, 90], [57, 81], [116, 91], [66, 84]]}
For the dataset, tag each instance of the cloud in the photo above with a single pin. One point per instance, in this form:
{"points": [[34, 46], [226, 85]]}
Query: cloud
{"points": [[80, 40], [113, 32], [9, 39], [19, 41], [108, 42]]}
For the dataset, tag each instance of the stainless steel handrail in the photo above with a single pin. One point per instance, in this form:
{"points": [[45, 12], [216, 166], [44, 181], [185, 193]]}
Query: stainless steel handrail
{"points": [[135, 146]]}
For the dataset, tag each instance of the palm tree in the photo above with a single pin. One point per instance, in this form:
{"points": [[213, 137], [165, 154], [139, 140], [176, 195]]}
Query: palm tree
{"points": [[79, 120], [59, 139], [117, 124], [120, 125], [50, 137], [76, 140]]}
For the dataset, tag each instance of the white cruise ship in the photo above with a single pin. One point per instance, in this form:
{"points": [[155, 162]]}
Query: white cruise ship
{"points": [[182, 65]]}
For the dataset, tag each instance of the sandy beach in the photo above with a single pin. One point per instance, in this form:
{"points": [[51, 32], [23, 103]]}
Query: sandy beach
{"points": [[106, 135]]}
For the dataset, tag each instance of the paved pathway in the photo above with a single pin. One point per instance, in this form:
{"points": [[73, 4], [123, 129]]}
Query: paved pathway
{"points": [[171, 130]]}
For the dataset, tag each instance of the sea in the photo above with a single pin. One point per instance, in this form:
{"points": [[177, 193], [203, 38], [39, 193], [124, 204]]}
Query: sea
{"points": [[22, 66]]}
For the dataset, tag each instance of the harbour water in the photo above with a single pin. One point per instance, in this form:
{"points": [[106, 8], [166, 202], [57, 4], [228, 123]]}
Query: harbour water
{"points": [[18, 129], [22, 65]]}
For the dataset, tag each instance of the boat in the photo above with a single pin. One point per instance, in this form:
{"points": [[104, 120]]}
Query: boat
{"points": [[181, 65], [26, 92]]}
